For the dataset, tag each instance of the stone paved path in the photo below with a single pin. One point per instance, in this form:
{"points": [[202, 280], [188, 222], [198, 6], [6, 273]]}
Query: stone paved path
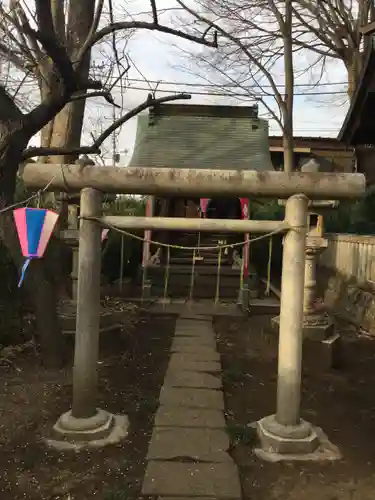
{"points": [[188, 452]]}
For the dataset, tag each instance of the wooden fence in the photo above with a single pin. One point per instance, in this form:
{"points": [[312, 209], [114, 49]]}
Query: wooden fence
{"points": [[350, 255]]}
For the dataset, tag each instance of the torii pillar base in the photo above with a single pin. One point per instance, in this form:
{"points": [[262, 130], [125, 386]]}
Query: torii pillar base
{"points": [[99, 430], [289, 439], [302, 442]]}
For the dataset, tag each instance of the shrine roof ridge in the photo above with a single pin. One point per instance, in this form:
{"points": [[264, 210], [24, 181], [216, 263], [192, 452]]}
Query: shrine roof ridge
{"points": [[205, 110]]}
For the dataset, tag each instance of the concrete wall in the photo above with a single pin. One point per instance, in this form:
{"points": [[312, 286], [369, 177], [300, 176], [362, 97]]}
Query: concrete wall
{"points": [[347, 278]]}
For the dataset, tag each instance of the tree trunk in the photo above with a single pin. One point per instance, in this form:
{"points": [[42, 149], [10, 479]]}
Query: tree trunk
{"points": [[40, 292], [353, 68], [288, 143], [65, 130], [12, 142]]}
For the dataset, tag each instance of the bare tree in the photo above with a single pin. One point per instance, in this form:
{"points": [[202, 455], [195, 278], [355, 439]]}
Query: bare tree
{"points": [[37, 41], [255, 55], [260, 39], [324, 30], [332, 29]]}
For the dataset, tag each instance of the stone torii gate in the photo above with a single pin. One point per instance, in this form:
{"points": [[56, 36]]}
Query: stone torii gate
{"points": [[284, 432]]}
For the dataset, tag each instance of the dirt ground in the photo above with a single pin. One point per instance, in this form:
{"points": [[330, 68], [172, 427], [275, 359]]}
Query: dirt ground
{"points": [[132, 367], [341, 402]]}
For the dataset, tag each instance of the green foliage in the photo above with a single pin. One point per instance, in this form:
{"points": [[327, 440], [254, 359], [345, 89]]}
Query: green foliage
{"points": [[116, 495], [267, 210], [233, 374], [10, 301], [117, 243], [241, 434], [352, 217], [126, 205], [8, 275], [21, 192]]}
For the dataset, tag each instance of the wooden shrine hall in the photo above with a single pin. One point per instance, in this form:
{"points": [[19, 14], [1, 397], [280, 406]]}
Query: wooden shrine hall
{"points": [[201, 137]]}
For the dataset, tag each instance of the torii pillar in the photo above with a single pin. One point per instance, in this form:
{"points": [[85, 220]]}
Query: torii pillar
{"points": [[84, 424], [285, 432], [322, 347]]}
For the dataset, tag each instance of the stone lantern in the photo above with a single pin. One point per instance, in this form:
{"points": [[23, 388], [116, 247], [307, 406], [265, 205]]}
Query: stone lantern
{"points": [[322, 349]]}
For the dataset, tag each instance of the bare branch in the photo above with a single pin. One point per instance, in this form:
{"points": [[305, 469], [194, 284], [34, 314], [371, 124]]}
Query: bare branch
{"points": [[40, 116], [127, 25], [242, 46], [18, 45], [100, 93], [58, 55], [12, 56], [9, 109], [88, 43], [95, 147], [368, 29], [154, 11]]}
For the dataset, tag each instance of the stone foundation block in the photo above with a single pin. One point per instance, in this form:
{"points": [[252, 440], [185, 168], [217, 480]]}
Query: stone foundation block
{"points": [[280, 439]]}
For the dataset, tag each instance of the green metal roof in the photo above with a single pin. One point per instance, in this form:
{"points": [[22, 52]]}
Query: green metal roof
{"points": [[200, 136]]}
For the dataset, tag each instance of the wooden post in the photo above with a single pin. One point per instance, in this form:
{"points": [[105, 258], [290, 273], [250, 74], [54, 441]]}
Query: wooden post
{"points": [[149, 212], [245, 251], [121, 277], [88, 308], [74, 273]]}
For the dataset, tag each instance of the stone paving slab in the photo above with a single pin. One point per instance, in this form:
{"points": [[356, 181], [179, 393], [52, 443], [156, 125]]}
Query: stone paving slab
{"points": [[208, 351], [186, 378], [195, 317], [190, 424], [195, 333], [175, 416], [204, 445], [199, 320], [207, 340], [194, 325], [194, 366], [218, 480], [200, 354], [192, 398], [186, 498]]}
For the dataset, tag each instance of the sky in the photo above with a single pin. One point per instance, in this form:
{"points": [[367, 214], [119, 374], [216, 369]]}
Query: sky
{"points": [[159, 57]]}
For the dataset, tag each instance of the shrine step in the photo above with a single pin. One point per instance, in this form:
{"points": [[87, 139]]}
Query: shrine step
{"points": [[204, 285], [204, 281], [199, 262], [204, 270], [198, 292]]}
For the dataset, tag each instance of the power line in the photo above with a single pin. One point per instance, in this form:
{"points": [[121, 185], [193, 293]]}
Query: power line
{"points": [[221, 86], [229, 85], [239, 95]]}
